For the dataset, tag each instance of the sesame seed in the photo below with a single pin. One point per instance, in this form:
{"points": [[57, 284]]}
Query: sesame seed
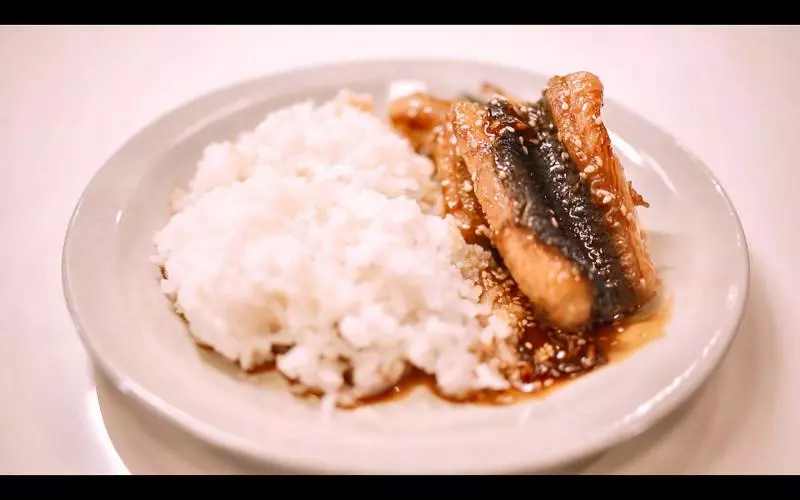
{"points": [[598, 160], [427, 109], [464, 127], [554, 222], [603, 192], [598, 120], [607, 199], [582, 175], [521, 140], [524, 149], [565, 156], [585, 107], [508, 128], [642, 281], [590, 169], [629, 216], [564, 106], [623, 209], [478, 122], [578, 142], [453, 140]]}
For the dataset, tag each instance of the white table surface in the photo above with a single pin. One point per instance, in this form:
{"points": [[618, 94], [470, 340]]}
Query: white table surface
{"points": [[69, 97]]}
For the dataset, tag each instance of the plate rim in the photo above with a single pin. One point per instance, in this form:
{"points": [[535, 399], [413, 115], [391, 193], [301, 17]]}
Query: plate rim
{"points": [[607, 437]]}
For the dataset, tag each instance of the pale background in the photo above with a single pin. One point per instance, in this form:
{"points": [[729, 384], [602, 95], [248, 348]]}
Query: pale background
{"points": [[69, 97]]}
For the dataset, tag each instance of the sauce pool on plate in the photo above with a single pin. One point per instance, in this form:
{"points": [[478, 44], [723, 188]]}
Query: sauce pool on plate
{"points": [[610, 344]]}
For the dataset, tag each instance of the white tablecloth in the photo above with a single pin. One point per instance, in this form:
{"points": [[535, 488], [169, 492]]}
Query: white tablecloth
{"points": [[69, 97]]}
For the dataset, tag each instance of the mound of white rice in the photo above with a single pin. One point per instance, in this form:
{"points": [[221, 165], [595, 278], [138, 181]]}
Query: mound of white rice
{"points": [[316, 241]]}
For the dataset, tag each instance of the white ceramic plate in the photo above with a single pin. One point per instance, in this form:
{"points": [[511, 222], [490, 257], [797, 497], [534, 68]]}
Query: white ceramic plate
{"points": [[128, 326]]}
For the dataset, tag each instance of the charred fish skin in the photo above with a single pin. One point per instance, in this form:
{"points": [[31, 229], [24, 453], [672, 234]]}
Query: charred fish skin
{"points": [[576, 103], [553, 176], [522, 228], [516, 169], [569, 197]]}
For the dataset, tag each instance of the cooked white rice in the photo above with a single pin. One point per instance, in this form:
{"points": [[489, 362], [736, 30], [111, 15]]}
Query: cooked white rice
{"points": [[319, 232]]}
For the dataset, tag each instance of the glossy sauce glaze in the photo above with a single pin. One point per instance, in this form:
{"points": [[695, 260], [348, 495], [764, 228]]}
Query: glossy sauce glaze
{"points": [[609, 344]]}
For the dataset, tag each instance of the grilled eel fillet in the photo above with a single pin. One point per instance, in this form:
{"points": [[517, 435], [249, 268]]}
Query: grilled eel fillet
{"points": [[560, 210], [576, 101], [544, 178]]}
